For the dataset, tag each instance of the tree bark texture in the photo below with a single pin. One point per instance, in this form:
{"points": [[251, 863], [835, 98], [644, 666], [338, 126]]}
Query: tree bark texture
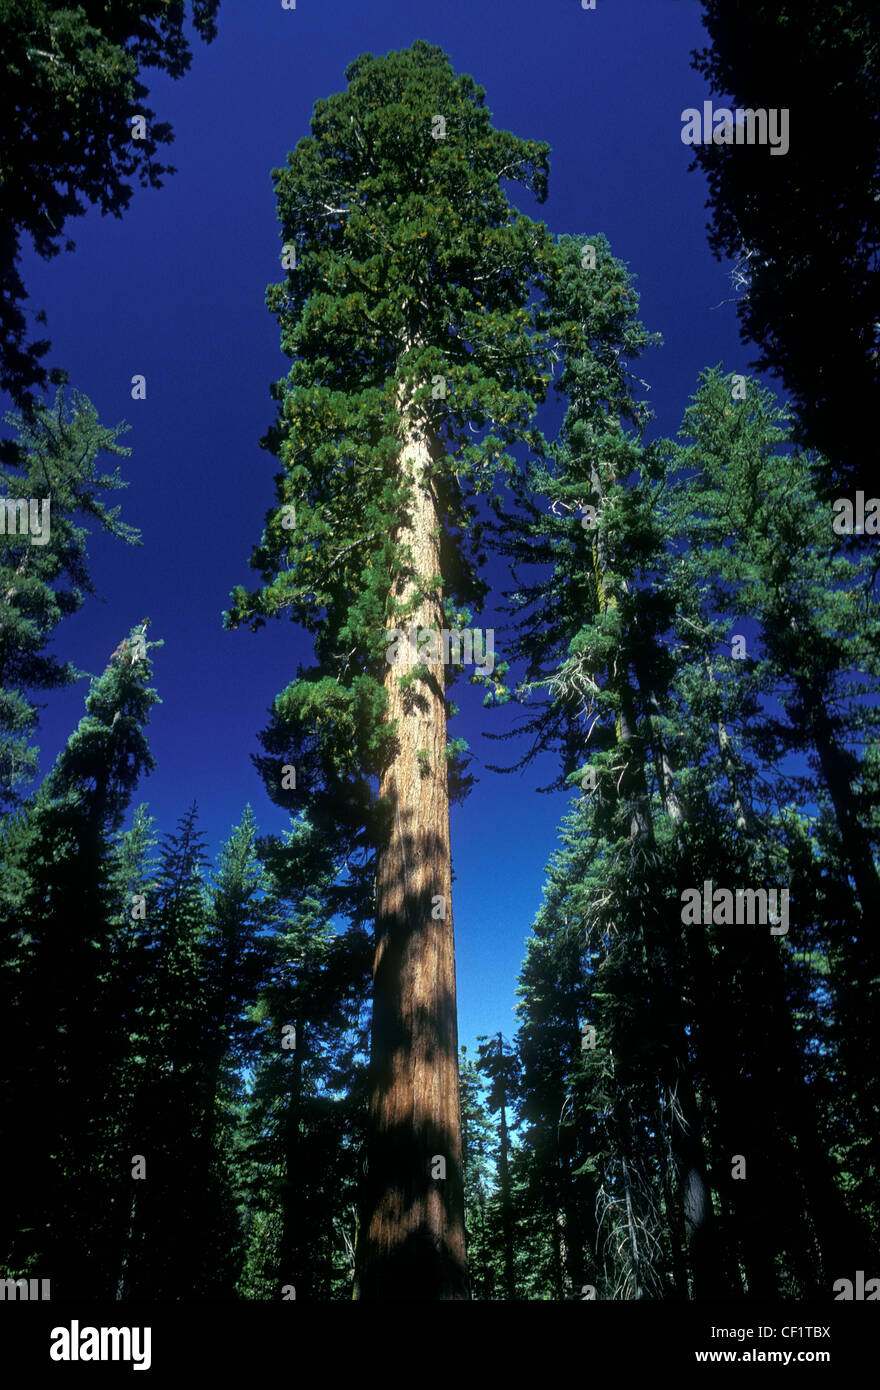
{"points": [[413, 1241]]}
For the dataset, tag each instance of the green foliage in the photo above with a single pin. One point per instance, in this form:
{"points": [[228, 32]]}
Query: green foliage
{"points": [[302, 1122], [478, 1141], [410, 264], [800, 225], [61, 937], [216, 1022], [691, 751], [71, 85], [56, 459], [754, 538]]}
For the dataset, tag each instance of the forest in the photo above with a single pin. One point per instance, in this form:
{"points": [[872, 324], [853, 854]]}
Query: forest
{"points": [[238, 1075]]}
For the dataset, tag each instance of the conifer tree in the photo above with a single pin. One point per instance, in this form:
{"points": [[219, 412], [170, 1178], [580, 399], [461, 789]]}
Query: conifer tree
{"points": [[477, 1143], [500, 1065], [43, 560], [562, 1135], [168, 1110], [762, 550], [801, 225], [303, 1121], [233, 958], [593, 640], [684, 560], [58, 958], [416, 363], [818, 619], [71, 93], [133, 885]]}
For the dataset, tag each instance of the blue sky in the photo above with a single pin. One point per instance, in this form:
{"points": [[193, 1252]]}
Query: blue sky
{"points": [[175, 291]]}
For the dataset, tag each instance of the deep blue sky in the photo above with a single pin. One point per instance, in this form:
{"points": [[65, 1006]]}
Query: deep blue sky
{"points": [[175, 290]]}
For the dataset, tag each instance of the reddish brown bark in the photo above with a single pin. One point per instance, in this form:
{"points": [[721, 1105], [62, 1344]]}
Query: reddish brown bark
{"points": [[412, 1242]]}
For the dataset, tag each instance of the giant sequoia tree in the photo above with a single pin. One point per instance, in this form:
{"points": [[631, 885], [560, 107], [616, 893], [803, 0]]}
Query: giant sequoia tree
{"points": [[407, 311]]}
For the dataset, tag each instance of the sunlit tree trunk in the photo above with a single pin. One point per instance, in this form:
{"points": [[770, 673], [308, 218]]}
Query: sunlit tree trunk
{"points": [[413, 1241]]}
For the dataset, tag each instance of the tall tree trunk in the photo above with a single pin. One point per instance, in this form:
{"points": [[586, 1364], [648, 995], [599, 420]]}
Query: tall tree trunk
{"points": [[701, 1228], [632, 1233], [506, 1205], [768, 1218], [123, 1268], [757, 1201], [699, 1216], [672, 1206], [838, 768], [562, 1249], [412, 1244], [290, 1267], [840, 1237], [662, 945]]}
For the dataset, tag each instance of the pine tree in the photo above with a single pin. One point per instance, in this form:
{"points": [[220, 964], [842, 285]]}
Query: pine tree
{"points": [[593, 639], [43, 563], [133, 885], [303, 1120], [234, 959], [768, 554], [407, 311], [500, 1065], [477, 1144], [169, 1105], [58, 958]]}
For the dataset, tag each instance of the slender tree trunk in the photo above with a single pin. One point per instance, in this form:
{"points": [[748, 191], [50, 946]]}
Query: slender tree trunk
{"points": [[479, 1284], [674, 1214], [562, 1248], [412, 1242], [742, 1127], [290, 1267], [769, 1219], [123, 1268], [504, 1182], [506, 1206], [632, 1233], [699, 1216], [685, 1120], [663, 764], [558, 1259], [840, 1236], [574, 1228], [837, 771], [701, 1228]]}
